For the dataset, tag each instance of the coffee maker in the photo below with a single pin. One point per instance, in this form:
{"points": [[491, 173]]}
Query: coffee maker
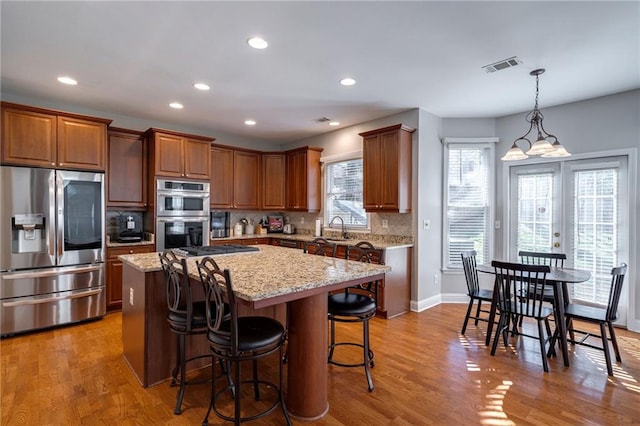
{"points": [[130, 228]]}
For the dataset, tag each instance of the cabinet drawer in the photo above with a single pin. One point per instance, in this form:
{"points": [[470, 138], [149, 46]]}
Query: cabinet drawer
{"points": [[114, 252]]}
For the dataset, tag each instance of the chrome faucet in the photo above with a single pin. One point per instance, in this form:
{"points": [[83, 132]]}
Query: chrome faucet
{"points": [[344, 232]]}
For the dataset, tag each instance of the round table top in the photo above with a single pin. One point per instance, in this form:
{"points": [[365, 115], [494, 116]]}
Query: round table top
{"points": [[560, 275]]}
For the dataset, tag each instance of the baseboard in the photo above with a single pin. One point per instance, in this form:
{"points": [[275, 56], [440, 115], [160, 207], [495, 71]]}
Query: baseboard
{"points": [[634, 326], [421, 305]]}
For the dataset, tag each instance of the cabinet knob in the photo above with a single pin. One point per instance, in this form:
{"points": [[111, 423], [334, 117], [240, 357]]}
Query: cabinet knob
{"points": [[130, 251], [53, 164]]}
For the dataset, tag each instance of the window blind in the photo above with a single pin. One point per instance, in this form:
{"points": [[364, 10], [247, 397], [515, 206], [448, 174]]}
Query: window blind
{"points": [[344, 193]]}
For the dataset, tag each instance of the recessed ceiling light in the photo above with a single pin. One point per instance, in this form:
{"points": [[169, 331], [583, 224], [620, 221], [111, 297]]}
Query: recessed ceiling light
{"points": [[201, 86], [176, 105], [257, 43], [347, 81], [250, 122], [334, 123], [67, 80]]}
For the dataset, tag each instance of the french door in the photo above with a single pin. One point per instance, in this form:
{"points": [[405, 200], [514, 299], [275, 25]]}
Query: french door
{"points": [[576, 207]]}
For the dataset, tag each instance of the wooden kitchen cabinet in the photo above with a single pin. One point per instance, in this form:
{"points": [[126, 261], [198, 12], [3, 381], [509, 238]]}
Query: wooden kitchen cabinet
{"points": [[303, 179], [273, 181], [179, 155], [43, 138], [387, 169], [235, 179], [114, 272], [126, 169]]}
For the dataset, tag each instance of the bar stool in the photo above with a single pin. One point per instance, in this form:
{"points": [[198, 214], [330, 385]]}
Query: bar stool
{"points": [[356, 304]]}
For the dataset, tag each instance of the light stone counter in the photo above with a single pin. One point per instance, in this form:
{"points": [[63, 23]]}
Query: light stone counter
{"points": [[379, 241], [273, 271]]}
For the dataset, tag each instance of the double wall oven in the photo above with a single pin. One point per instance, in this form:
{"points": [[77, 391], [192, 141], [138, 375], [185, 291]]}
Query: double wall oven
{"points": [[51, 247], [182, 214]]}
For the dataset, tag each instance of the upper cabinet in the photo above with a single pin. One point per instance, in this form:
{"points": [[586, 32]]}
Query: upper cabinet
{"points": [[235, 178], [303, 179], [126, 169], [179, 155], [387, 169], [44, 138], [273, 181]]}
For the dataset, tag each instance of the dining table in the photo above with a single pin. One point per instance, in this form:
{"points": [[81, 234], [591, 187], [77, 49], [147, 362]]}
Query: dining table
{"points": [[559, 278], [270, 277]]}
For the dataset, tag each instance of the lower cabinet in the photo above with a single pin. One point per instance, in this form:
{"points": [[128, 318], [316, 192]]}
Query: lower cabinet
{"points": [[114, 272]]}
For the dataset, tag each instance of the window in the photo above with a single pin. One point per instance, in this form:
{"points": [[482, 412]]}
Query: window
{"points": [[344, 193], [468, 197]]}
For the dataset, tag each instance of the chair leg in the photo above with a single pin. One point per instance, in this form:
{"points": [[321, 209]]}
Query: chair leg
{"points": [[466, 317], [183, 368], [333, 339], [205, 422], [543, 352], [256, 388], [614, 341], [281, 392], [499, 331], [367, 358], [478, 311], [236, 405], [605, 347]]}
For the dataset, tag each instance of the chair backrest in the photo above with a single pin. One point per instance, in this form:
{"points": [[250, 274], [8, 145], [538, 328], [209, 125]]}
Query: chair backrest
{"points": [[178, 291], [364, 251], [617, 280], [520, 287], [470, 272], [320, 247], [221, 321], [538, 258]]}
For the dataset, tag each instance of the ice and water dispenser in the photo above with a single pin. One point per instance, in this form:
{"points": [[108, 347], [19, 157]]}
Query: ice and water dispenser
{"points": [[28, 233]]}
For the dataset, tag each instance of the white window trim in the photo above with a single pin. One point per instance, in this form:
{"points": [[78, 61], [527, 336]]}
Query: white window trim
{"points": [[476, 142], [336, 158]]}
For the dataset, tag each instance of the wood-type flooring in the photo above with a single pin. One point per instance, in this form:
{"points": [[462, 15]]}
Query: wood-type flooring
{"points": [[426, 373]]}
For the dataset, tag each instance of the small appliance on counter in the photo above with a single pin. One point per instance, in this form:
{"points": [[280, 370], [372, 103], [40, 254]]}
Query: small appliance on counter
{"points": [[220, 224], [289, 229], [130, 229]]}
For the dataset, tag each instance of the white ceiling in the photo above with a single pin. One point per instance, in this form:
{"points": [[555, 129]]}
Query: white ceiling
{"points": [[134, 58]]}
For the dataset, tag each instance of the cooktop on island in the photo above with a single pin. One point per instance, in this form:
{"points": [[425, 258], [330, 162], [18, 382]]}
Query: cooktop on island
{"points": [[214, 250]]}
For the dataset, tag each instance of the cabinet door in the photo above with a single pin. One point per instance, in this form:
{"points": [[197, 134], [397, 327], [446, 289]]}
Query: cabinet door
{"points": [[126, 170], [388, 186], [168, 155], [273, 181], [372, 178], [28, 138], [82, 144], [114, 284], [197, 163], [246, 180], [221, 178], [296, 180]]}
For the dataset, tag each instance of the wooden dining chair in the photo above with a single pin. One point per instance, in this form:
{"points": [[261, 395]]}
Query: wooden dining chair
{"points": [[603, 316], [513, 280], [476, 294]]}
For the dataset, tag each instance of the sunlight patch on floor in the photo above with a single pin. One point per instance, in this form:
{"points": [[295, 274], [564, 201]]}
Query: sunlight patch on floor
{"points": [[493, 413]]}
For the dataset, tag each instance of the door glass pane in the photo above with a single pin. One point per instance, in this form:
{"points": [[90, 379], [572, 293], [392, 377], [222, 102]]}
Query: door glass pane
{"points": [[535, 208], [595, 204], [82, 215]]}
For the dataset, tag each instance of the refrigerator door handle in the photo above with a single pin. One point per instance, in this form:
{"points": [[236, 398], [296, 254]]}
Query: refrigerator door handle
{"points": [[60, 216], [52, 299], [52, 226], [54, 272]]}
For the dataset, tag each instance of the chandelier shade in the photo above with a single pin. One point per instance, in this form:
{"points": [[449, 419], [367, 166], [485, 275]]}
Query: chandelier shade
{"points": [[546, 144]]}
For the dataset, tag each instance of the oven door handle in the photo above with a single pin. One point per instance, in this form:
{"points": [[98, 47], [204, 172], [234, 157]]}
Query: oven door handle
{"points": [[183, 194], [51, 272], [181, 219], [52, 299]]}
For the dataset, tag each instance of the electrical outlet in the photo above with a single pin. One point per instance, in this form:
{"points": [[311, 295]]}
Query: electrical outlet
{"points": [[426, 224], [131, 296], [497, 224], [436, 279], [302, 220], [385, 223]]}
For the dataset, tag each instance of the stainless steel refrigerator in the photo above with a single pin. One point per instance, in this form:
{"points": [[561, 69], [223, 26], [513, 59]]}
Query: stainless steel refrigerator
{"points": [[52, 227]]}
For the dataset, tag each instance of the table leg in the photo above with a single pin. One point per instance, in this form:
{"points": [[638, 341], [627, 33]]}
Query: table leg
{"points": [[307, 367], [560, 322], [492, 313]]}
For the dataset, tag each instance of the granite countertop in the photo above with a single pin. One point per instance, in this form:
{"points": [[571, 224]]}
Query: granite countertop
{"points": [[379, 241], [273, 271]]}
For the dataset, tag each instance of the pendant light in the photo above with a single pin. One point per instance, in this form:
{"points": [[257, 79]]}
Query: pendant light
{"points": [[546, 144]]}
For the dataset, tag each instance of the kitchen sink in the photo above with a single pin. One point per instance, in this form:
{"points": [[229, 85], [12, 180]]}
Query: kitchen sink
{"points": [[337, 239]]}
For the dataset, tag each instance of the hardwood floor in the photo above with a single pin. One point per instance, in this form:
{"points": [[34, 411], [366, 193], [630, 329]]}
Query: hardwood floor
{"points": [[425, 373]]}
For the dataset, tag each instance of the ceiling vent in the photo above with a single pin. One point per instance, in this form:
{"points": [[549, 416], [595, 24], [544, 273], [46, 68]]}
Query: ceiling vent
{"points": [[501, 65], [322, 120]]}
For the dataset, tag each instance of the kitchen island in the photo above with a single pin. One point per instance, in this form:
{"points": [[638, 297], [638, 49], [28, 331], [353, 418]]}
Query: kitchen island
{"points": [[262, 280]]}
